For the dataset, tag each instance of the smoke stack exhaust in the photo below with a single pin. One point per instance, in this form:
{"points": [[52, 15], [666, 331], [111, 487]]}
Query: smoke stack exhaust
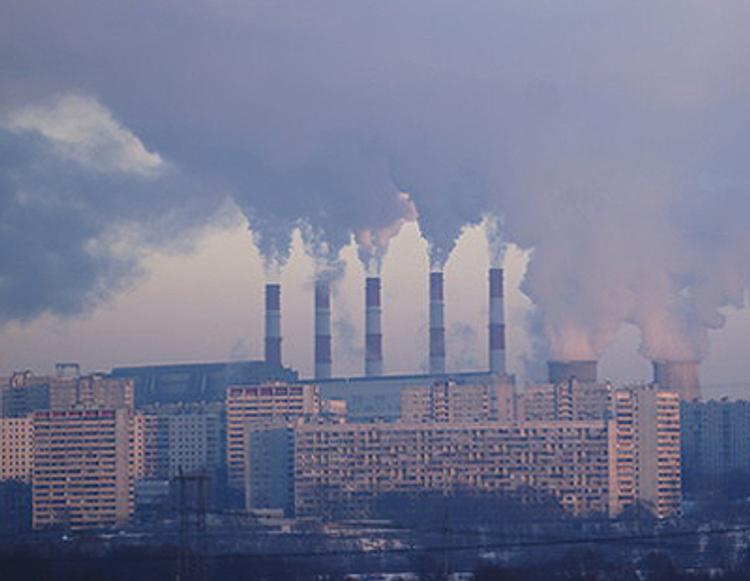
{"points": [[273, 324], [322, 329], [682, 377], [437, 324], [497, 322], [373, 335], [583, 371]]}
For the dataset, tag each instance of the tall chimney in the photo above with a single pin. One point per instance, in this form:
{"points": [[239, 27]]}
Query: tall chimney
{"points": [[584, 371], [273, 324], [497, 322], [682, 377], [322, 329], [373, 336], [437, 324]]}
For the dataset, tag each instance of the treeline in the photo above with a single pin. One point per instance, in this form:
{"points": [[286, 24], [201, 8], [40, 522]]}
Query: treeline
{"points": [[163, 564]]}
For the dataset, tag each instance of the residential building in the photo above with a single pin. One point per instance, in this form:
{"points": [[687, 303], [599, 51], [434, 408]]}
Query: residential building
{"points": [[715, 442], [448, 401], [341, 469], [81, 476], [646, 457], [567, 399], [250, 404], [15, 449], [179, 439]]}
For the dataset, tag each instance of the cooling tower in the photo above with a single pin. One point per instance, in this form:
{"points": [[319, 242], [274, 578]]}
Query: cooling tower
{"points": [[323, 356], [373, 336], [583, 371], [273, 324], [682, 377], [437, 324], [497, 322]]}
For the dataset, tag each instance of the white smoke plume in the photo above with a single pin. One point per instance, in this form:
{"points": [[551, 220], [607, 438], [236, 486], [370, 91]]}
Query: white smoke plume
{"points": [[608, 137]]}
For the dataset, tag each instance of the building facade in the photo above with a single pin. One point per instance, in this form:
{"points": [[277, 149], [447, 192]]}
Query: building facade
{"points": [[646, 457], [568, 399], [341, 469], [15, 449], [82, 476], [448, 401], [715, 442], [246, 405]]}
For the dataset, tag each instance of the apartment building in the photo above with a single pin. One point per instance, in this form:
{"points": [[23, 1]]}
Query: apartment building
{"points": [[27, 393], [715, 442], [567, 399], [251, 404], [175, 439], [448, 401], [100, 391], [646, 458], [81, 475], [15, 449], [341, 469]]}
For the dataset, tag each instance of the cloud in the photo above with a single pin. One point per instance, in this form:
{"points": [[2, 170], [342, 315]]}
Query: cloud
{"points": [[81, 129]]}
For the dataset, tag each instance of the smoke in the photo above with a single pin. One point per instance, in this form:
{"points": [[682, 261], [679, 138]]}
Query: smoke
{"points": [[82, 199], [607, 137]]}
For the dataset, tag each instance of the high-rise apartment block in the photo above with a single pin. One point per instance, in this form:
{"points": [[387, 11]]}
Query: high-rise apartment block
{"points": [[646, 456], [447, 401], [715, 442], [176, 439], [567, 399], [15, 449], [248, 404], [81, 475], [26, 393]]}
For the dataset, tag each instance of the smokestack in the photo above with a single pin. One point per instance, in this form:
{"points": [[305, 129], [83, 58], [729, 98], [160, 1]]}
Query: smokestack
{"points": [[273, 324], [437, 324], [583, 371], [373, 336], [682, 377], [497, 322], [322, 329]]}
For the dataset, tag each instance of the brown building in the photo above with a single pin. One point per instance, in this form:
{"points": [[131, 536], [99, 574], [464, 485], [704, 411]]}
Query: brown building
{"points": [[15, 449], [82, 476]]}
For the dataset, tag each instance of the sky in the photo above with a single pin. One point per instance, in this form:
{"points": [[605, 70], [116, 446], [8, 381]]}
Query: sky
{"points": [[158, 163]]}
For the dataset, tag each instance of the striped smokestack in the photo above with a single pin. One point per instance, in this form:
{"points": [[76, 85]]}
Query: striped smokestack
{"points": [[373, 336], [437, 324], [322, 329], [273, 324], [497, 322]]}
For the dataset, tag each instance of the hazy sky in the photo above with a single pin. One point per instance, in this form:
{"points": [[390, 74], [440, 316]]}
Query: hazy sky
{"points": [[608, 140]]}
